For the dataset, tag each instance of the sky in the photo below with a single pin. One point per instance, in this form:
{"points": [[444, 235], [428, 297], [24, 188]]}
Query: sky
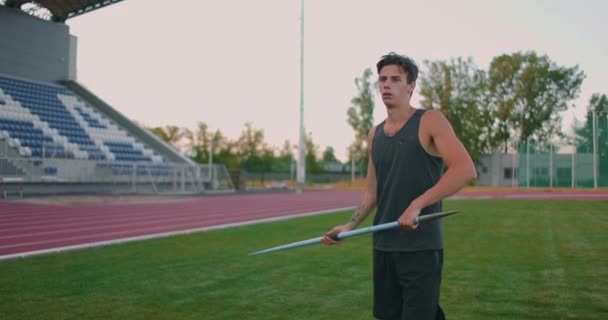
{"points": [[229, 62]]}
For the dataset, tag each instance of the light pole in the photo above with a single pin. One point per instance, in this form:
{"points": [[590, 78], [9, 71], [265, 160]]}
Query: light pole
{"points": [[302, 145]]}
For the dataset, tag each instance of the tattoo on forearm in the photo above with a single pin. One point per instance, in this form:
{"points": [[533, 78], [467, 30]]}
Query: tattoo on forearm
{"points": [[356, 218]]}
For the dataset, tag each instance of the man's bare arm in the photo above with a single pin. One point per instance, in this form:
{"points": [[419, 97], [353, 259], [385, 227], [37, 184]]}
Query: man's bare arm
{"points": [[369, 198], [368, 203], [363, 210], [460, 167]]}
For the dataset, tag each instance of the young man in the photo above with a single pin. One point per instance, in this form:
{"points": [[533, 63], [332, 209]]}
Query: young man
{"points": [[405, 178]]}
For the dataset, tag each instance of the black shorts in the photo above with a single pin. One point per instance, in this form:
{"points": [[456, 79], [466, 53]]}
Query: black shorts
{"points": [[407, 285]]}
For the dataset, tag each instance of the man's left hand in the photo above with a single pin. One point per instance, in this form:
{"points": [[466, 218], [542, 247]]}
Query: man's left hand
{"points": [[407, 219]]}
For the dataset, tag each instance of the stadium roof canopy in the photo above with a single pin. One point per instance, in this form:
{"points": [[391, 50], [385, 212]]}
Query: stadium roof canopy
{"points": [[58, 10]]}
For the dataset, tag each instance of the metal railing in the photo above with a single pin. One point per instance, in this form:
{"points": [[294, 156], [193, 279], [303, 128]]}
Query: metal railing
{"points": [[140, 177]]}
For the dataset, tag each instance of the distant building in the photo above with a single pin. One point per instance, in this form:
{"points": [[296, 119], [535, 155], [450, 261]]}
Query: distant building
{"points": [[335, 167], [537, 170]]}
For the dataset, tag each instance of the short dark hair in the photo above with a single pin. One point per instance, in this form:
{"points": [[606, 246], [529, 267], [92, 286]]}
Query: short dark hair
{"points": [[407, 63]]}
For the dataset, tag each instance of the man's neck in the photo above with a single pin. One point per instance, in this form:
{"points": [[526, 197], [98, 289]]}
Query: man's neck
{"points": [[399, 114]]}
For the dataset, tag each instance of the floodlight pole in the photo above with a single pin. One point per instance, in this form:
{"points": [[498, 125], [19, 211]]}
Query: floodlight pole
{"points": [[301, 172]]}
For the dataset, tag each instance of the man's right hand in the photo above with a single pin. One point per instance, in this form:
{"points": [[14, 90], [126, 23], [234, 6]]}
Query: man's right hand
{"points": [[339, 229]]}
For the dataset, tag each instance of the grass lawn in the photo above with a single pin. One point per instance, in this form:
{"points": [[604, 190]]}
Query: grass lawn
{"points": [[504, 259]]}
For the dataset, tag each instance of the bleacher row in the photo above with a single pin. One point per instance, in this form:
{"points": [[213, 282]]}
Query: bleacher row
{"points": [[44, 121]]}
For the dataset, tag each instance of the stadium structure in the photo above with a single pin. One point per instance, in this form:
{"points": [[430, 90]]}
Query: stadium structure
{"points": [[57, 136]]}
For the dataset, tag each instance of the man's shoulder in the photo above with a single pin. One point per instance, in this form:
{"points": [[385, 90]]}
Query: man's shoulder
{"points": [[432, 117], [372, 131], [432, 113]]}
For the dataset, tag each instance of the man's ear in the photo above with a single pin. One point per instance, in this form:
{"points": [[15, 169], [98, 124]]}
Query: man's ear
{"points": [[413, 85]]}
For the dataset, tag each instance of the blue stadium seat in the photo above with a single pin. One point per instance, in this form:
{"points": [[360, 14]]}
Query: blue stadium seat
{"points": [[46, 120]]}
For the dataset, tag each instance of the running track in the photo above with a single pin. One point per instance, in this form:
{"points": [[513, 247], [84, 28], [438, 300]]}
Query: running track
{"points": [[28, 229]]}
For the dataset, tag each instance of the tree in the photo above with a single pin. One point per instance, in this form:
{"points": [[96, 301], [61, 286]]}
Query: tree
{"points": [[284, 161], [286, 151], [253, 153], [312, 163], [361, 118], [329, 155], [226, 154], [170, 134], [526, 93], [598, 104], [584, 133], [224, 151], [198, 142], [456, 88]]}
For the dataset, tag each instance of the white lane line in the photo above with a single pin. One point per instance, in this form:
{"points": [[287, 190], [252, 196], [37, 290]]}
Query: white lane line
{"points": [[191, 218], [162, 235], [137, 216]]}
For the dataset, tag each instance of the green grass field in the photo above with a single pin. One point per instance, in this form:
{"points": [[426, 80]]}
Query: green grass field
{"points": [[504, 259]]}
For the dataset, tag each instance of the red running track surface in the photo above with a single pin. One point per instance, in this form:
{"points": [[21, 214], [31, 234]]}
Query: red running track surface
{"points": [[28, 229]]}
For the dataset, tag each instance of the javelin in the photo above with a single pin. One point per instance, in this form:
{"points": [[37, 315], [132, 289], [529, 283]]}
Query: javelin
{"points": [[352, 233]]}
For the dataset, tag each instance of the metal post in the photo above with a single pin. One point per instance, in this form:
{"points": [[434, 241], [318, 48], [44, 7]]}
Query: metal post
{"points": [[183, 178], [550, 165], [513, 170], [528, 162], [352, 166], [210, 160], [174, 177], [134, 177], [594, 149], [292, 170], [302, 145], [573, 168]]}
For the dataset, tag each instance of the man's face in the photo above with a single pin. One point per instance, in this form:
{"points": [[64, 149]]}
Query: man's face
{"points": [[394, 88]]}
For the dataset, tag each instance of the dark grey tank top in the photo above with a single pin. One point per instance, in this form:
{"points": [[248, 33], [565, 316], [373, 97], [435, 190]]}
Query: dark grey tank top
{"points": [[404, 171]]}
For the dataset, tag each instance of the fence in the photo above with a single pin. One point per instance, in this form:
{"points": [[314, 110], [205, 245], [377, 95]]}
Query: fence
{"points": [[567, 166], [67, 174], [278, 180]]}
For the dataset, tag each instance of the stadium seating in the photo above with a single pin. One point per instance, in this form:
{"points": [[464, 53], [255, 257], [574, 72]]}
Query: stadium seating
{"points": [[45, 120]]}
